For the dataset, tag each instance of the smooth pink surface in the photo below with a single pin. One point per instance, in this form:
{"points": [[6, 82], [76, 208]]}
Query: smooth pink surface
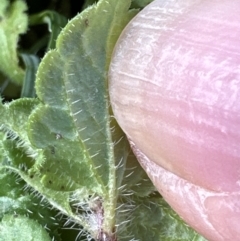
{"points": [[216, 215], [175, 91]]}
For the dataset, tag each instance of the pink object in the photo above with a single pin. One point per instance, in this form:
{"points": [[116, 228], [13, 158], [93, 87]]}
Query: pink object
{"points": [[175, 91]]}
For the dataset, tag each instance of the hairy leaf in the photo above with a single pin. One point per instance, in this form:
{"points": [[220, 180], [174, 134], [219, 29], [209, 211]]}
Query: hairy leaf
{"points": [[73, 126], [21, 228], [13, 121], [156, 221], [16, 200]]}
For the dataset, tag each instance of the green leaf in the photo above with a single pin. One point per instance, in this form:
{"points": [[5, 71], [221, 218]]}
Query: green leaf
{"points": [[21, 228], [13, 22], [72, 85], [14, 118], [15, 199], [2, 138], [31, 64], [15, 145], [155, 221]]}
